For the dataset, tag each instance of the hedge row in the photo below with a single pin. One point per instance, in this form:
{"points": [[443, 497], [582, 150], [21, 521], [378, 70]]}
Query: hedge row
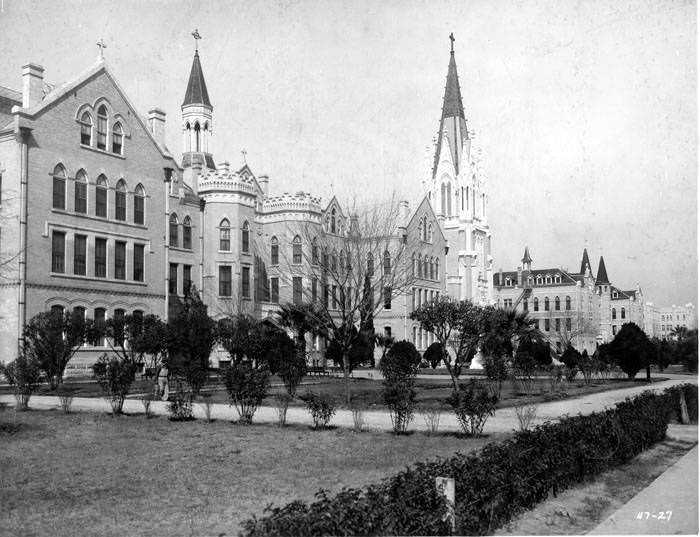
{"points": [[492, 485]]}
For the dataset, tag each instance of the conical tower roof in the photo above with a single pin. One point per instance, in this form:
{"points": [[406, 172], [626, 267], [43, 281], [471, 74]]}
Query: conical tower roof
{"points": [[196, 87], [602, 277], [585, 262], [452, 119], [527, 260]]}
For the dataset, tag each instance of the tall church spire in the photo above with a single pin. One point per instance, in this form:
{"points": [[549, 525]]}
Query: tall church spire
{"points": [[453, 125], [196, 87], [602, 276], [585, 263]]}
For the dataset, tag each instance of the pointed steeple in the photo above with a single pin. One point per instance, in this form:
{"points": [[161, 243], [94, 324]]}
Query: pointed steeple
{"points": [[602, 277], [585, 263], [527, 260], [196, 87], [453, 125]]}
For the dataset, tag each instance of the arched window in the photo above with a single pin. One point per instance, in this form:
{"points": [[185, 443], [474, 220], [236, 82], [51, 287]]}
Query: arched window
{"points": [[102, 127], [413, 264], [370, 264], [614, 313], [568, 303], [437, 270], [86, 129], [274, 251], [120, 201], [425, 266], [187, 233], [174, 239], [548, 279], [448, 196], [296, 250], [59, 187], [314, 251], [539, 280], [334, 260], [421, 233], [139, 205], [117, 139], [101, 197], [546, 303], [443, 203], [557, 304], [342, 261], [387, 263], [197, 137], [80, 205], [245, 238], [622, 313], [420, 267], [188, 137], [536, 304], [333, 220], [225, 236], [430, 232], [432, 269]]}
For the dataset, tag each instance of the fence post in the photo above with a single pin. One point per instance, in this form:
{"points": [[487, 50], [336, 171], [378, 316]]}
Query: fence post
{"points": [[446, 487]]}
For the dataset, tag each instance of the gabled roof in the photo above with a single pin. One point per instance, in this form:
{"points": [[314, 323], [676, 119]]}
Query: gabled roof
{"points": [[602, 276], [425, 206], [11, 95], [196, 87]]}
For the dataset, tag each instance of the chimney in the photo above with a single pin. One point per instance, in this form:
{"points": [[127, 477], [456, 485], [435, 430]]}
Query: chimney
{"points": [[156, 122], [32, 84], [224, 166], [500, 277], [264, 182], [404, 212]]}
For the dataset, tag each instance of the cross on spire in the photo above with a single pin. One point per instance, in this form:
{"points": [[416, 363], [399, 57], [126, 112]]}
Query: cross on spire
{"points": [[197, 37], [244, 153], [102, 46], [452, 42]]}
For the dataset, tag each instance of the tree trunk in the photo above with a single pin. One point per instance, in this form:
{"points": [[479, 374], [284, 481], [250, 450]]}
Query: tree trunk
{"points": [[346, 376], [648, 372]]}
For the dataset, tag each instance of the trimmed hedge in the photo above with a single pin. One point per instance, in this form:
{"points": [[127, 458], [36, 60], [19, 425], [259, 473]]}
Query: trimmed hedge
{"points": [[492, 485]]}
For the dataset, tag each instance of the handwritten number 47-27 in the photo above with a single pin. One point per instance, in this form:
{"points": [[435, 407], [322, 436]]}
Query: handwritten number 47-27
{"points": [[661, 515]]}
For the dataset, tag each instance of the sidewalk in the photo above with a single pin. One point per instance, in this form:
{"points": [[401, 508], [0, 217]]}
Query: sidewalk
{"points": [[669, 505], [504, 420]]}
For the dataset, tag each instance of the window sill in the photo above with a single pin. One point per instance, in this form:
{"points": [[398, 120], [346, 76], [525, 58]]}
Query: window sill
{"points": [[178, 249], [102, 151], [95, 279], [98, 218]]}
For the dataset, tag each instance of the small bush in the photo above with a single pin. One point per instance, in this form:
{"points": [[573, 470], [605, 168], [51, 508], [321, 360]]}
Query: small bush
{"points": [[24, 375], [432, 420], [321, 408], [282, 401], [65, 398], [180, 407], [473, 405], [358, 420], [247, 387], [146, 400], [526, 412], [115, 376], [206, 404]]}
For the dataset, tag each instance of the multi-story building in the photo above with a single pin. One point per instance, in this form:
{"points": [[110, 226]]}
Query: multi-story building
{"points": [[665, 319]]}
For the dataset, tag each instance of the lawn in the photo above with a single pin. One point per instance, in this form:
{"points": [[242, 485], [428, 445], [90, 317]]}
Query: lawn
{"points": [[91, 474]]}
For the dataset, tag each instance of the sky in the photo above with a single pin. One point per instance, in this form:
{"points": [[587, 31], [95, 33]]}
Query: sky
{"points": [[586, 111]]}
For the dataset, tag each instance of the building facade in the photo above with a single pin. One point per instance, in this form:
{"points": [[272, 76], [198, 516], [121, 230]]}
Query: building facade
{"points": [[665, 319]]}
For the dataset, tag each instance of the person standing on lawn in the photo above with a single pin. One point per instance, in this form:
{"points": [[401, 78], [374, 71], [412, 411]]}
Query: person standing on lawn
{"points": [[163, 382]]}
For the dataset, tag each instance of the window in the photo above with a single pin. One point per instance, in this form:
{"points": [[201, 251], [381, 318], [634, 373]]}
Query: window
{"points": [[314, 252], [334, 261], [79, 255], [314, 290], [334, 295], [99, 318], [420, 267], [80, 205], [224, 236], [58, 252], [120, 260], [568, 323], [546, 325], [296, 250], [387, 331], [432, 269], [138, 262], [86, 129], [437, 270], [100, 258], [614, 329], [567, 303], [387, 298], [172, 279], [536, 304], [187, 233], [413, 264], [274, 252], [557, 324], [370, 264], [245, 238], [537, 324], [425, 266], [79, 312], [186, 278], [387, 263], [557, 304], [342, 261], [120, 201], [622, 313], [101, 197], [139, 205], [296, 290], [546, 303], [525, 305], [333, 220], [102, 127], [275, 290], [117, 139], [326, 296], [173, 240], [614, 313], [224, 280], [245, 282], [59, 188]]}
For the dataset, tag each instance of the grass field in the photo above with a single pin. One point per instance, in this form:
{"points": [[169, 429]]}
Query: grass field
{"points": [[91, 474]]}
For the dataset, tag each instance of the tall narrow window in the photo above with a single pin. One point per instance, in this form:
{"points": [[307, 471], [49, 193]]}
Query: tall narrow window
{"points": [[425, 267], [614, 313], [224, 236], [557, 324], [333, 220], [58, 252], [546, 325], [245, 282], [172, 279], [245, 238], [622, 313], [296, 250], [387, 298], [437, 269], [314, 251], [413, 264], [197, 137], [173, 235], [546, 303], [120, 201], [139, 205], [387, 263], [86, 129], [536, 304], [568, 323], [274, 251], [568, 303], [224, 280], [100, 258], [59, 187], [314, 290], [79, 255], [80, 205], [334, 261], [187, 233], [186, 279], [117, 139], [296, 290], [120, 260], [138, 262], [102, 127], [557, 304], [370, 264], [274, 290], [101, 197], [99, 318]]}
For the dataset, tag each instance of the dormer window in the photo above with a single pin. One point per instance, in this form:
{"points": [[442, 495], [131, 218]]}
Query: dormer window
{"points": [[548, 279], [539, 280], [117, 139], [102, 127], [557, 279], [86, 129], [508, 282]]}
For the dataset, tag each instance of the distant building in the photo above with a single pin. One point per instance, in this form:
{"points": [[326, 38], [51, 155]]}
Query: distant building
{"points": [[665, 319]]}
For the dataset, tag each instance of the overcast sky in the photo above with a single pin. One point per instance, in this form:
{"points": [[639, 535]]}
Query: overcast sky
{"points": [[586, 110]]}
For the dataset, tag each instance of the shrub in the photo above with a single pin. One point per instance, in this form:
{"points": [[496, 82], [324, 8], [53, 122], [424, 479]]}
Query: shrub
{"points": [[321, 408], [433, 354], [587, 367], [526, 412], [358, 419], [24, 375], [571, 360], [473, 405], [432, 420], [399, 367], [206, 404], [115, 376], [247, 387], [146, 400], [282, 401], [492, 485], [631, 349], [65, 398], [180, 407]]}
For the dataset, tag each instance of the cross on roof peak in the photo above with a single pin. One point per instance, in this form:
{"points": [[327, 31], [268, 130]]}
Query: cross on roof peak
{"points": [[197, 37], [452, 42], [102, 46]]}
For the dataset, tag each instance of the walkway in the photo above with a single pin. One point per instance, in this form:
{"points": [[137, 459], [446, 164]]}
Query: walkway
{"points": [[504, 420]]}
